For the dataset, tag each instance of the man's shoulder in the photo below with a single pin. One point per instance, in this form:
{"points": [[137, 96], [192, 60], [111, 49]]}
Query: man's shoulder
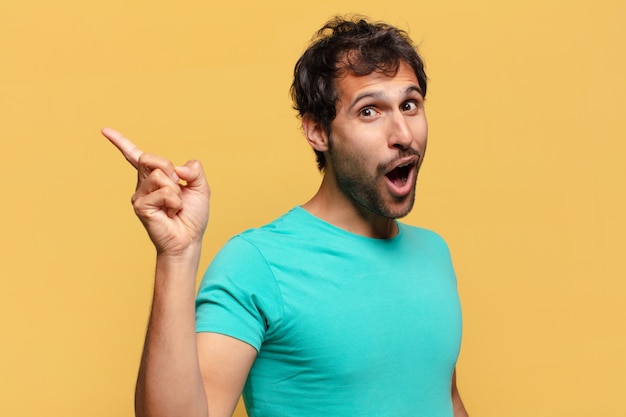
{"points": [[422, 237], [418, 231], [292, 220], [291, 226]]}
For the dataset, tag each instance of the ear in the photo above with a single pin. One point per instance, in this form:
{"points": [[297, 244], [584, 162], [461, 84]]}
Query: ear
{"points": [[315, 134]]}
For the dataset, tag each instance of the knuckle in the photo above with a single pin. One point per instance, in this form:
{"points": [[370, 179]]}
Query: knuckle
{"points": [[156, 174], [195, 164], [144, 158], [153, 161], [137, 206]]}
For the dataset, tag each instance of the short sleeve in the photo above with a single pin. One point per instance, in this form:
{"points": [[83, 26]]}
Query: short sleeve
{"points": [[238, 295]]}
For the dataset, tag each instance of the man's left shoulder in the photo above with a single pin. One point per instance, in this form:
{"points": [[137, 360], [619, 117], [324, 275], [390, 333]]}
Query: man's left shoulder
{"points": [[420, 232]]}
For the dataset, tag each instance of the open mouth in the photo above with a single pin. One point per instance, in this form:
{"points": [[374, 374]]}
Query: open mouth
{"points": [[400, 175]]}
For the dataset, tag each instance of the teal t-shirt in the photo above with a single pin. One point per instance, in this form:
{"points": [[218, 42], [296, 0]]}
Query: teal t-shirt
{"points": [[344, 325]]}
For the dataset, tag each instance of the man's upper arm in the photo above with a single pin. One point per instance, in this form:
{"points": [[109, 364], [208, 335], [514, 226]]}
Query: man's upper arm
{"points": [[457, 404], [224, 363]]}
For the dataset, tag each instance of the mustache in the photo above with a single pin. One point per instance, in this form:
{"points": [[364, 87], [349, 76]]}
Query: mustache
{"points": [[402, 154]]}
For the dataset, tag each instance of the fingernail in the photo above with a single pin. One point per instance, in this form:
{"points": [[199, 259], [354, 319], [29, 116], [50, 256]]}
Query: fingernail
{"points": [[175, 177]]}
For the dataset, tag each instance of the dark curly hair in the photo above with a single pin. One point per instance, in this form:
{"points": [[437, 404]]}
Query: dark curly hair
{"points": [[348, 44]]}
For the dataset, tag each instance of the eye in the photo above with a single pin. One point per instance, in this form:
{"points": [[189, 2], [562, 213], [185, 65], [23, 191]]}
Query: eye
{"points": [[409, 106], [367, 112]]}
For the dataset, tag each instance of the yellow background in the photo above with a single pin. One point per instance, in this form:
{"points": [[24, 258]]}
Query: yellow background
{"points": [[525, 178]]}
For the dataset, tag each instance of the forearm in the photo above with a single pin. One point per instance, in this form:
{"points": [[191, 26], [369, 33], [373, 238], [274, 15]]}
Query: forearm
{"points": [[172, 202], [169, 381]]}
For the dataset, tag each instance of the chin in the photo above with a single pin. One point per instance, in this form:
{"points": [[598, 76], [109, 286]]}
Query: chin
{"points": [[397, 211], [398, 214]]}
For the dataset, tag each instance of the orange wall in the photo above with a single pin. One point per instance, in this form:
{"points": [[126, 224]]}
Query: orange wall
{"points": [[525, 177]]}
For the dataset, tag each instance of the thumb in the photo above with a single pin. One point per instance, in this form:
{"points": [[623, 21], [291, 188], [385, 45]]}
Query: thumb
{"points": [[193, 174]]}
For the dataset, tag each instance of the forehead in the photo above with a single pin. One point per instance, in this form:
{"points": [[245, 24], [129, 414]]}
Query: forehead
{"points": [[350, 86]]}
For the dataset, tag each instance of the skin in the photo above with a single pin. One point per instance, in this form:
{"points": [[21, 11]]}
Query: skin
{"points": [[457, 404], [181, 372], [380, 124]]}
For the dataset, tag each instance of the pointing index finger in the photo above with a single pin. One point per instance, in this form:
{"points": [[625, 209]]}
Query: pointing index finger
{"points": [[130, 151]]}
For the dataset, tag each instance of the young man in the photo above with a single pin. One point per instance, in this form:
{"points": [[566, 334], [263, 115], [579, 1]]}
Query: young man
{"points": [[335, 308]]}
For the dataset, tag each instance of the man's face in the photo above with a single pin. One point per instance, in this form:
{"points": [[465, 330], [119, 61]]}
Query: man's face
{"points": [[377, 141]]}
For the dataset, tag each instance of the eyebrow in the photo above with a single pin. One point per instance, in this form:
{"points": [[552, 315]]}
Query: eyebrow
{"points": [[379, 94]]}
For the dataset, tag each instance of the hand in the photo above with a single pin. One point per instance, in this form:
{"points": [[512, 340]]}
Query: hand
{"points": [[175, 214]]}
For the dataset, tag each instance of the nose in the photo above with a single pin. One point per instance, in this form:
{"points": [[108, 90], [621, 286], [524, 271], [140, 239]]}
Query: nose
{"points": [[400, 135]]}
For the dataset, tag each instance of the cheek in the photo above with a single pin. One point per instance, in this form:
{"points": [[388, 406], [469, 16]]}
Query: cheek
{"points": [[421, 135], [356, 142]]}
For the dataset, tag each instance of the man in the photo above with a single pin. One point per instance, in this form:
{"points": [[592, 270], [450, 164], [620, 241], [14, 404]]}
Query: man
{"points": [[335, 308]]}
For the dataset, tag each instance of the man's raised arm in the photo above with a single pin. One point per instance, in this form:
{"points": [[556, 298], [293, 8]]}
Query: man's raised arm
{"points": [[175, 215]]}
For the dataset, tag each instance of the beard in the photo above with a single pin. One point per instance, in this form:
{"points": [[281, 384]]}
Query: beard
{"points": [[368, 191]]}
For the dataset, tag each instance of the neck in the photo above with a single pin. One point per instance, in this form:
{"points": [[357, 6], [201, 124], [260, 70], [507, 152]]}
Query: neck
{"points": [[332, 206]]}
